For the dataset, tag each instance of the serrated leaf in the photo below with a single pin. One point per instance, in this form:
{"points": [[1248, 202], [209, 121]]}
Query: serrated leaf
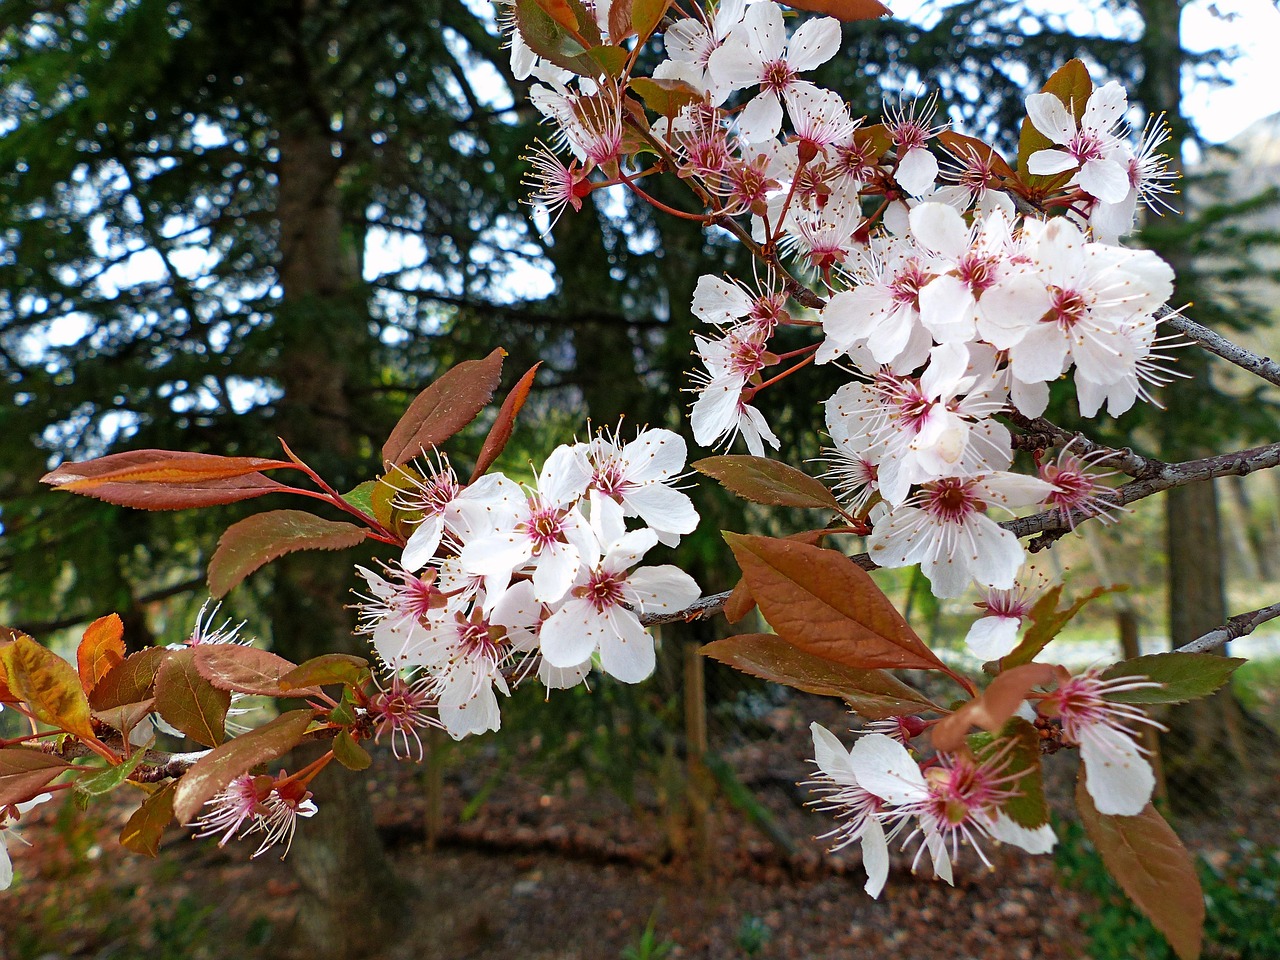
{"points": [[240, 669], [130, 681], [560, 12], [326, 669], [211, 774], [101, 649], [992, 708], [349, 753], [873, 694], [500, 432], [666, 97], [1047, 622], [1072, 85], [458, 395], [1018, 743], [24, 773], [188, 701], [48, 685], [257, 540], [822, 602], [1186, 676], [103, 782], [142, 832], [771, 482], [167, 479], [1152, 866], [845, 10]]}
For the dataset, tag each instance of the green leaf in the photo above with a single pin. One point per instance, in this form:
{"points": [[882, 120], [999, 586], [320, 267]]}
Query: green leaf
{"points": [[665, 97], [458, 395], [325, 669], [1021, 741], [240, 669], [107, 780], [349, 753], [48, 684], [873, 694], [1047, 622], [1152, 867], [611, 59], [772, 482], [1186, 676], [130, 681], [822, 602], [646, 15], [264, 537], [142, 832], [361, 497], [212, 773], [24, 773], [188, 701]]}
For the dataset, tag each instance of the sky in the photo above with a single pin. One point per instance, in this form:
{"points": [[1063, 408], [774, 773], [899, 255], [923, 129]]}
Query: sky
{"points": [[1250, 26]]}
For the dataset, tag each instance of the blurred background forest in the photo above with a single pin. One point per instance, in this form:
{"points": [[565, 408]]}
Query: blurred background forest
{"points": [[224, 222]]}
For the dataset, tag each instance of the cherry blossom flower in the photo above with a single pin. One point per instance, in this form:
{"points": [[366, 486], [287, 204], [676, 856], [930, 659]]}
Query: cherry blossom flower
{"points": [[602, 612], [1150, 182], [638, 475], [947, 530], [1119, 777], [399, 709], [252, 804], [995, 634], [589, 125], [757, 52], [910, 126], [856, 809], [1089, 145], [1076, 489], [553, 186], [204, 630], [394, 612], [691, 42], [721, 411]]}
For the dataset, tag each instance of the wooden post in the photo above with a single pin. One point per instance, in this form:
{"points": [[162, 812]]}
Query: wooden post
{"points": [[695, 734]]}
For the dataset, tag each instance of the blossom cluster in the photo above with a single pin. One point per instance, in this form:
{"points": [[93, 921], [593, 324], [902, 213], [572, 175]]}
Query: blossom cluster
{"points": [[946, 304], [500, 578], [879, 789]]}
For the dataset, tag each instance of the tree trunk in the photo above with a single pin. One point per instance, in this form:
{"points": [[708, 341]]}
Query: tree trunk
{"points": [[350, 901]]}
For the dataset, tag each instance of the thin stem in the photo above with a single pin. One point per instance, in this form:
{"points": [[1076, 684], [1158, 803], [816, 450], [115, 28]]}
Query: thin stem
{"points": [[1242, 624]]}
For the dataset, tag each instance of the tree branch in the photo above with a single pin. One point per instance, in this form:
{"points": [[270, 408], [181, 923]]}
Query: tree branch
{"points": [[1242, 624], [1263, 367]]}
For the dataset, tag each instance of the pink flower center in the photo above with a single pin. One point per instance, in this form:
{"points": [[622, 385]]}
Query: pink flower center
{"points": [[952, 500], [906, 284], [777, 76], [977, 270], [1068, 308], [602, 591], [544, 526], [1085, 146]]}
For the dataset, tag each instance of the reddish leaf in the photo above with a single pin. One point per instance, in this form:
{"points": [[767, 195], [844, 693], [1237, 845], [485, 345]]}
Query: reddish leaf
{"points": [[846, 10], [212, 772], [444, 408], [995, 705], [966, 147], [48, 684], [873, 694], [101, 649], [665, 97], [325, 669], [550, 40], [500, 432], [772, 482], [188, 701], [24, 773], [825, 604], [167, 479], [230, 666], [130, 681], [1072, 85], [264, 537], [1152, 867], [560, 12], [126, 716], [144, 829], [741, 602]]}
